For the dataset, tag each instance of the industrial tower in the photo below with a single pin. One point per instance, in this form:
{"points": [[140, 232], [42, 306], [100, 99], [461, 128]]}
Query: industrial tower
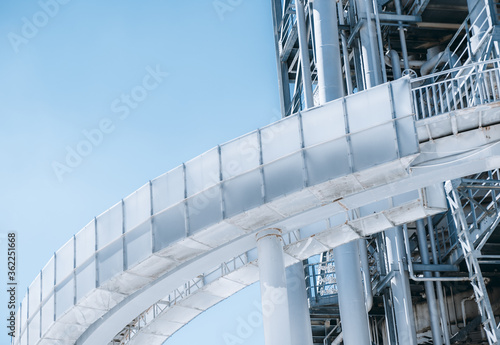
{"points": [[368, 213]]}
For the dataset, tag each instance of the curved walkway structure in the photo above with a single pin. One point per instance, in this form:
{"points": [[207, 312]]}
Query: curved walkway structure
{"points": [[365, 151]]}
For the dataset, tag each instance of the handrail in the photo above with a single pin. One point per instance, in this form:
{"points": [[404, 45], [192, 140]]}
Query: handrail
{"points": [[451, 70], [463, 90]]}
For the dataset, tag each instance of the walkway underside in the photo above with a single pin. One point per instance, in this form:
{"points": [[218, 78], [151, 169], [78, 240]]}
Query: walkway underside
{"points": [[321, 177]]}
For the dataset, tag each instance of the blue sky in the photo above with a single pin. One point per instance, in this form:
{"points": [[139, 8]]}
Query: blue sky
{"points": [[68, 73]]}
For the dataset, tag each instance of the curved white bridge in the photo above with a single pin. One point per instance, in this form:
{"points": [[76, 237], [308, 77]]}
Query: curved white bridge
{"points": [[364, 151]]}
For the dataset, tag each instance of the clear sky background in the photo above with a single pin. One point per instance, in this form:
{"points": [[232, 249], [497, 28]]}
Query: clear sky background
{"points": [[65, 72]]}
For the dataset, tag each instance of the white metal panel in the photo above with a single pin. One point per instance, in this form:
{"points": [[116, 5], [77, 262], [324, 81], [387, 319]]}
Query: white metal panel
{"points": [[280, 139], [168, 189], [324, 123], [65, 261], [240, 155], [109, 225], [137, 207], [202, 172], [85, 243]]}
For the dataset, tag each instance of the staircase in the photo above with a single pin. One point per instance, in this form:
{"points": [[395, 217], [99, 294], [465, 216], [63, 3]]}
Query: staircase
{"points": [[470, 251]]}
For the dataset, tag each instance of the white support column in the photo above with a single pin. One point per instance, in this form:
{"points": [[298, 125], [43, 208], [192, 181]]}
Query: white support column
{"points": [[400, 286], [330, 81], [300, 320], [353, 315], [273, 288]]}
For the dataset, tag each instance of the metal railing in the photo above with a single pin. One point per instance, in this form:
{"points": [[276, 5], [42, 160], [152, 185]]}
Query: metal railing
{"points": [[321, 281], [480, 200], [458, 88], [462, 48]]}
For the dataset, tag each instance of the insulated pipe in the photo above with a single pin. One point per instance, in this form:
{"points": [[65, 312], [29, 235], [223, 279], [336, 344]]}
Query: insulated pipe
{"points": [[400, 286], [365, 268], [353, 315], [300, 321], [273, 287], [348, 272], [304, 54], [328, 64], [395, 63], [429, 65], [439, 287], [411, 63], [369, 47], [429, 286], [441, 58]]}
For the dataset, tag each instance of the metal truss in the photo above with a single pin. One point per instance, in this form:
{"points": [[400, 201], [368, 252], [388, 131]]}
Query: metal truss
{"points": [[471, 259]]}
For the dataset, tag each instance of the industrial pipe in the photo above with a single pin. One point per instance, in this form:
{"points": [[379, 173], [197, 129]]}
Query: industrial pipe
{"points": [[429, 286], [369, 46], [402, 39], [353, 315], [329, 68], [395, 63], [439, 287], [300, 321], [345, 52], [411, 63], [424, 279], [273, 287], [400, 286], [462, 304], [365, 268], [438, 59], [304, 54]]}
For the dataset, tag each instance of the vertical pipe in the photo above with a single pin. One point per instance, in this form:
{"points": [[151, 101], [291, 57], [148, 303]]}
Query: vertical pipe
{"points": [[439, 287], [345, 52], [365, 268], [300, 321], [429, 286], [328, 64], [304, 53], [402, 38], [379, 40], [282, 67], [396, 65], [355, 328], [400, 287], [390, 334], [369, 47], [273, 287]]}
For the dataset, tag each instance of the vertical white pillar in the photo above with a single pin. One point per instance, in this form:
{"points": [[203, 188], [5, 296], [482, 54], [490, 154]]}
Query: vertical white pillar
{"points": [[300, 320], [330, 81], [353, 315], [400, 286], [273, 289]]}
